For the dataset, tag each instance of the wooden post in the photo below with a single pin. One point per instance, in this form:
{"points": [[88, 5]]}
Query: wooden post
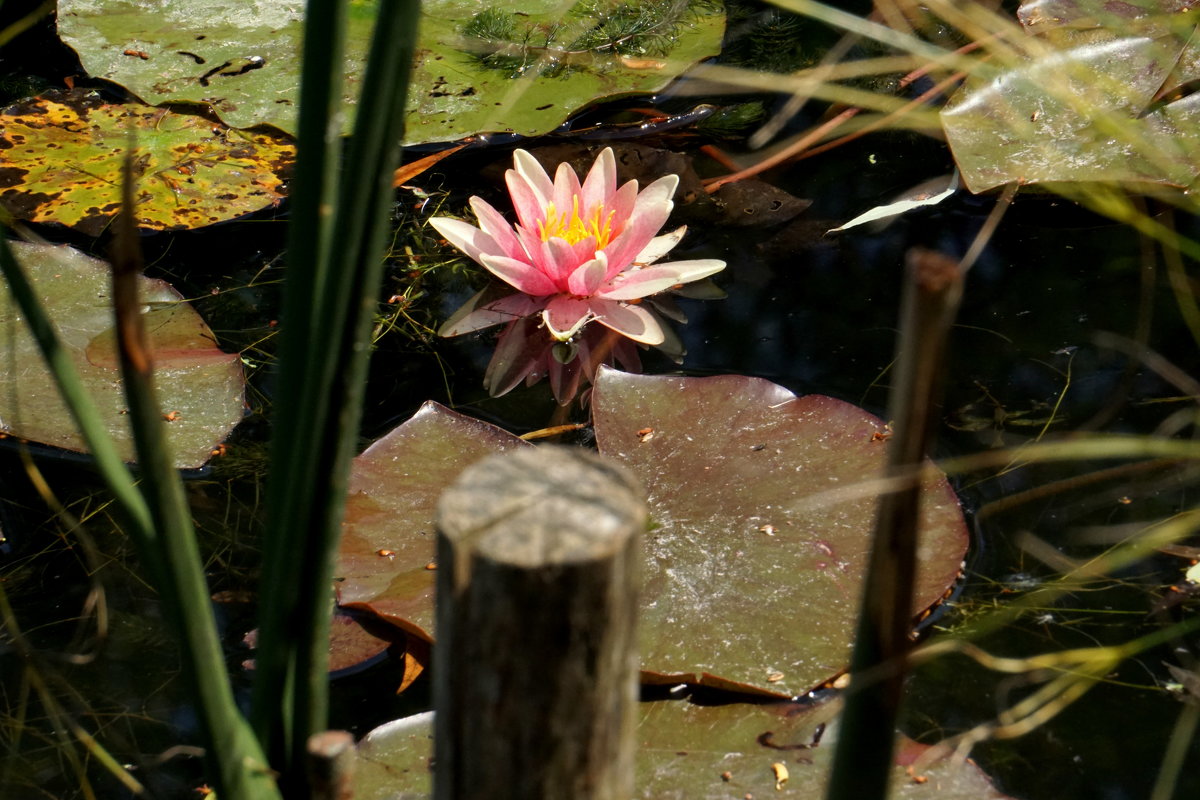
{"points": [[331, 765], [535, 671]]}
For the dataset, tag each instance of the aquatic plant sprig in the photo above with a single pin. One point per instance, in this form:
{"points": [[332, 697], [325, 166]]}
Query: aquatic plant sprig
{"points": [[591, 30], [578, 253]]}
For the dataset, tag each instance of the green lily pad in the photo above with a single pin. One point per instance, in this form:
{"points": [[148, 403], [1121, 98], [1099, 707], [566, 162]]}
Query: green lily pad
{"points": [[692, 752], [455, 96], [200, 388], [243, 60], [61, 157], [762, 524], [1084, 110], [730, 752]]}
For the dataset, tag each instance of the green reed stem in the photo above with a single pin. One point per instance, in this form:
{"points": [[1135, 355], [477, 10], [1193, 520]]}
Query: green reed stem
{"points": [[303, 405], [335, 269], [863, 755], [234, 755], [156, 517]]}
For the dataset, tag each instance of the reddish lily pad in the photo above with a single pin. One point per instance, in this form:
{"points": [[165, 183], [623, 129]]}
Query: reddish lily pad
{"points": [[200, 387], [764, 516], [1094, 101], [762, 523], [61, 157], [692, 752], [354, 646], [386, 561]]}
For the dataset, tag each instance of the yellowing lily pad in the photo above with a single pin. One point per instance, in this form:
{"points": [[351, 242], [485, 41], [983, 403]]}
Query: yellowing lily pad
{"points": [[242, 60], [61, 157], [200, 388]]}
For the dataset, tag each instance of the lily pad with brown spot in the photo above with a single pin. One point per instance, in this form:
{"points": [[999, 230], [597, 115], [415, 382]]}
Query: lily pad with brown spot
{"points": [[61, 157], [200, 388]]}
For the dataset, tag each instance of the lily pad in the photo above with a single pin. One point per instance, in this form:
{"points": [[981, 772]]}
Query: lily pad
{"points": [[61, 159], [242, 59], [762, 523], [200, 388], [692, 752], [1090, 106], [386, 560]]}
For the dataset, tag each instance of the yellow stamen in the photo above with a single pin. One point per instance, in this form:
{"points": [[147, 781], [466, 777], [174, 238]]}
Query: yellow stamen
{"points": [[575, 228]]}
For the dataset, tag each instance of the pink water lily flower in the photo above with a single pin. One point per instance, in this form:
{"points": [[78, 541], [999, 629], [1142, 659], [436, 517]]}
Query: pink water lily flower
{"points": [[577, 253]]}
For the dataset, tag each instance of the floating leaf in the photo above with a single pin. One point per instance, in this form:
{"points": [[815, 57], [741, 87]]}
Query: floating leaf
{"points": [[457, 95], [762, 523], [354, 645], [243, 60], [1089, 106], [928, 193], [692, 752], [386, 560], [764, 514], [199, 387], [61, 157], [394, 760]]}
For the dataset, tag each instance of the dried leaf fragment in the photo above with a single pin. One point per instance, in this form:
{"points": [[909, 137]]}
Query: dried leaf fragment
{"points": [[781, 775]]}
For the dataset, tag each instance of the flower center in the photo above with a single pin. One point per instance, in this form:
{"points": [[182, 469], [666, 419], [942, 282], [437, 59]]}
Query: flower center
{"points": [[575, 228]]}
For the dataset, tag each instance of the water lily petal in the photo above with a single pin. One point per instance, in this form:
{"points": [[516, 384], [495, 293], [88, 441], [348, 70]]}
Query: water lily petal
{"points": [[649, 214], [672, 345], [585, 280], [560, 260], [466, 237], [534, 175], [585, 249], [660, 245], [566, 188], [601, 181], [530, 188], [621, 204], [479, 313], [630, 321], [652, 280], [521, 275], [493, 223], [531, 211], [566, 315]]}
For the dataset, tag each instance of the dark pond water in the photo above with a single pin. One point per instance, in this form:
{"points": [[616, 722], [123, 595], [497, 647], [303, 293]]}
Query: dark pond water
{"points": [[813, 313]]}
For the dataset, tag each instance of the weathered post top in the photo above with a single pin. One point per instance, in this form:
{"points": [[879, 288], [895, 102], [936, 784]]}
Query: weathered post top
{"points": [[535, 675]]}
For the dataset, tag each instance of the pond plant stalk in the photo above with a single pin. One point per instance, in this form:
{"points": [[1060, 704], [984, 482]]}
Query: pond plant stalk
{"points": [[335, 265], [337, 247], [176, 562], [154, 510], [863, 755]]}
